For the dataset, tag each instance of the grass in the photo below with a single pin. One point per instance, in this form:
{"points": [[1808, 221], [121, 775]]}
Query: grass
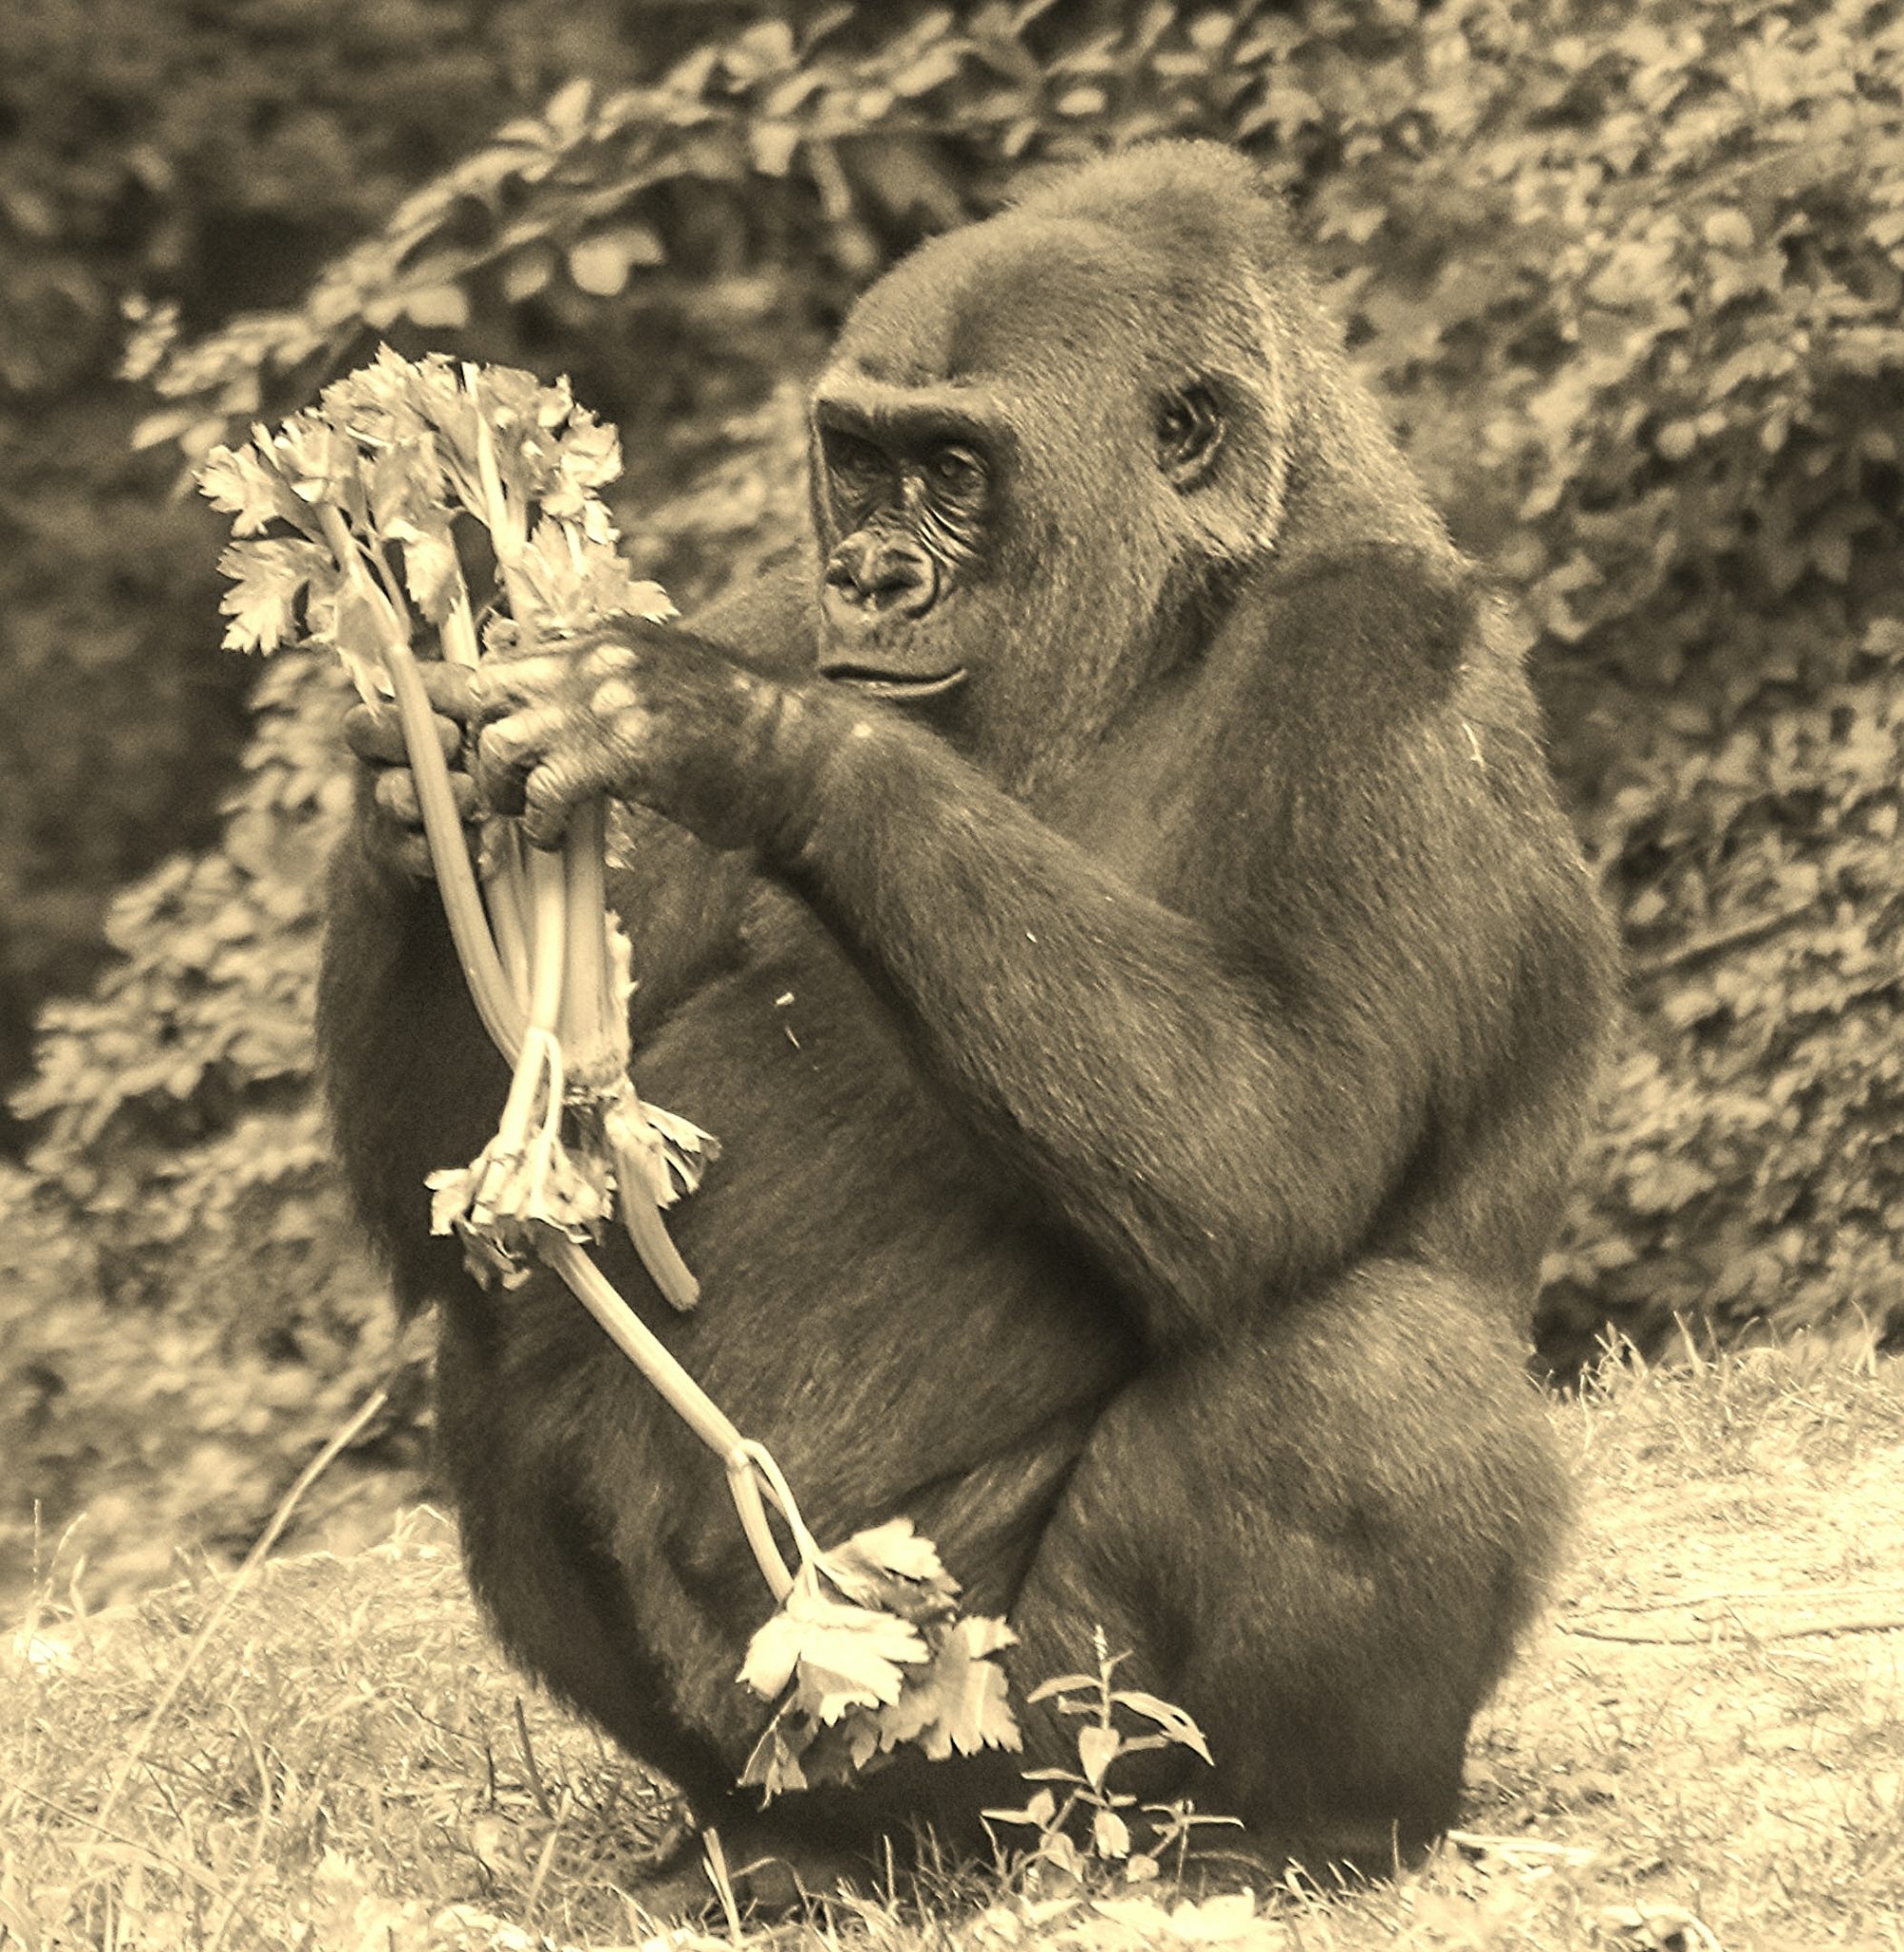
{"points": [[1703, 1745]]}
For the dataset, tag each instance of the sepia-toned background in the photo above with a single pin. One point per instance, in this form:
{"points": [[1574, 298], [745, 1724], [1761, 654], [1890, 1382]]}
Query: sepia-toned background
{"points": [[1628, 274]]}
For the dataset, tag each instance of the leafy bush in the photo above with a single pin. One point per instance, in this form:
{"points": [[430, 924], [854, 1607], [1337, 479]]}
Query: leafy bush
{"points": [[211, 156], [1631, 271], [213, 1316], [1691, 370]]}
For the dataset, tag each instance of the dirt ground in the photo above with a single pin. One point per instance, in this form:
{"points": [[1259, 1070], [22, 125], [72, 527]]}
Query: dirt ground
{"points": [[1715, 1707], [1702, 1746]]}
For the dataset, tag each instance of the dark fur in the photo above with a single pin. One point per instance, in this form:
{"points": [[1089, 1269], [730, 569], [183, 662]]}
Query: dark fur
{"points": [[1145, 1185]]}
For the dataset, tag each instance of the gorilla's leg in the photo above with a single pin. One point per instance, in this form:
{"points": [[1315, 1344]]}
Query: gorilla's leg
{"points": [[1320, 1544]]}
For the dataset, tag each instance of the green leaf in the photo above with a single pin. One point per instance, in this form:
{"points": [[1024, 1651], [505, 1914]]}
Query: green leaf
{"points": [[244, 483], [848, 1645], [338, 614], [1060, 1850], [268, 576], [961, 1701], [856, 1683], [526, 271], [892, 1567], [403, 485], [1097, 1750], [1039, 1811], [575, 579], [827, 1695], [153, 430], [431, 571], [932, 70], [774, 1766], [1064, 1684], [1110, 1834], [317, 462], [567, 110], [600, 265], [1170, 1718], [436, 308]]}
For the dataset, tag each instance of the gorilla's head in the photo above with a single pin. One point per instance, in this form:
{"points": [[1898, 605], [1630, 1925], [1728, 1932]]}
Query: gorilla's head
{"points": [[1046, 444]]}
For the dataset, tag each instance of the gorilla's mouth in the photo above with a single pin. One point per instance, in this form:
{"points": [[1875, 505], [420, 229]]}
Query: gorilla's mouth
{"points": [[887, 685]]}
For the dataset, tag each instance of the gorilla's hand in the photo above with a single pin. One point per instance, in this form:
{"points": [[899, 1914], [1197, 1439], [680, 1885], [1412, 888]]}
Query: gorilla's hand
{"points": [[641, 712], [387, 802]]}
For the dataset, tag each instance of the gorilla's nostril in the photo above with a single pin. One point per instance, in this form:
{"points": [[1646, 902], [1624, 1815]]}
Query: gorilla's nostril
{"points": [[884, 575]]}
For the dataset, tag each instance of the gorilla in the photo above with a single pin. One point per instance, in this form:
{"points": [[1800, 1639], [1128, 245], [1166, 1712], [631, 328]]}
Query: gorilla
{"points": [[1110, 903]]}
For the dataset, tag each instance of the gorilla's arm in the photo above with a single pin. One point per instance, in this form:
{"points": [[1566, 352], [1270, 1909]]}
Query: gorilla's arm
{"points": [[1221, 1095], [1174, 1101], [411, 1079]]}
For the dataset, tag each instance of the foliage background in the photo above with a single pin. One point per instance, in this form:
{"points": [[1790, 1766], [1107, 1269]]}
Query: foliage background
{"points": [[1629, 272]]}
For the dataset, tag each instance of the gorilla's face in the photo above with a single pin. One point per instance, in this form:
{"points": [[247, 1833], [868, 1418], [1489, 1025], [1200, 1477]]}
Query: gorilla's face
{"points": [[910, 509], [1001, 477]]}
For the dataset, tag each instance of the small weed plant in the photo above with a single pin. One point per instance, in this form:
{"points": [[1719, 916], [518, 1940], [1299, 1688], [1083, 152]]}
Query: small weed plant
{"points": [[1082, 1800]]}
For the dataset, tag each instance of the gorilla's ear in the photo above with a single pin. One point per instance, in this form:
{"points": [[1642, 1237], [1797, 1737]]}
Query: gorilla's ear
{"points": [[1189, 431]]}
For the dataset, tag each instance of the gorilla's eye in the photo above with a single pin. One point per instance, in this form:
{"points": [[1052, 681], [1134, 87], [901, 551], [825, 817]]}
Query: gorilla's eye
{"points": [[956, 470], [853, 460], [1189, 428]]}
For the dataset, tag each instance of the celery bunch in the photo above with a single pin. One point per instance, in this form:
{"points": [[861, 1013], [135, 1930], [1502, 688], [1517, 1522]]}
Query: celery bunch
{"points": [[375, 497]]}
